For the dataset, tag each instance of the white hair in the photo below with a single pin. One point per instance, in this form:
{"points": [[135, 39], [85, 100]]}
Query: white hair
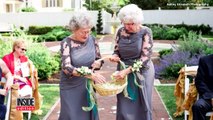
{"points": [[80, 20], [132, 13]]}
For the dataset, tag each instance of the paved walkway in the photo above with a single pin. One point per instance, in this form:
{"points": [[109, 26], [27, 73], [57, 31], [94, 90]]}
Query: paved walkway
{"points": [[107, 105]]}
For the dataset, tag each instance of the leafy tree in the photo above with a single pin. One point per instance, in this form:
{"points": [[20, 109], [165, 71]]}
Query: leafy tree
{"points": [[147, 4], [209, 2], [106, 4], [93, 5], [175, 4]]}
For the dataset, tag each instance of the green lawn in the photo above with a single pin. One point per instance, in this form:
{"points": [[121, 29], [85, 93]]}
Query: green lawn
{"points": [[167, 95], [209, 37], [50, 96]]}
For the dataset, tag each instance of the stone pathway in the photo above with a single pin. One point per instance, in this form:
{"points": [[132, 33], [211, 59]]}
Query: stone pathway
{"points": [[107, 108], [107, 105]]}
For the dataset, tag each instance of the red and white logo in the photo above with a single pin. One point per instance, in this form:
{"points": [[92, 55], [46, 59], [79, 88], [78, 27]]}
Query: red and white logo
{"points": [[25, 104]]}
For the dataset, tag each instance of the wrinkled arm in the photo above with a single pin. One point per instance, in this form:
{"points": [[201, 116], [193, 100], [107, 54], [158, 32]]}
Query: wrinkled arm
{"points": [[97, 50], [66, 64], [200, 79], [146, 49], [116, 50], [98, 55], [7, 74]]}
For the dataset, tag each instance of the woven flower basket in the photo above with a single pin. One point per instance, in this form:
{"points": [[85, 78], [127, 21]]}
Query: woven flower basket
{"points": [[111, 87]]}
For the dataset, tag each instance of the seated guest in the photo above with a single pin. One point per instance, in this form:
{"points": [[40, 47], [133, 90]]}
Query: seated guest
{"points": [[204, 85], [24, 72], [18, 65], [4, 70]]}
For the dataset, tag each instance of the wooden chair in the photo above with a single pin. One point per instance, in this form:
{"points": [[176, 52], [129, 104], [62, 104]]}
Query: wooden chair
{"points": [[190, 71], [8, 102]]}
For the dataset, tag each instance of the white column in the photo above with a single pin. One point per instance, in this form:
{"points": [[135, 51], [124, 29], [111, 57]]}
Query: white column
{"points": [[48, 5], [67, 4], [13, 7], [1, 6], [56, 3]]}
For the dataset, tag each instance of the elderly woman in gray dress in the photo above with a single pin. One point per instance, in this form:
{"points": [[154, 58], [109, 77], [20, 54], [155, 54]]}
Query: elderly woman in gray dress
{"points": [[134, 43], [77, 50]]}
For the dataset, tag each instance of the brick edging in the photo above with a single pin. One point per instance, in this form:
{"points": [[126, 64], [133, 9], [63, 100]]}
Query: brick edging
{"points": [[51, 110]]}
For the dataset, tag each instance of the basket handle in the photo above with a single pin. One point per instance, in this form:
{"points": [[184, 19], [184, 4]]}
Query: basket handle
{"points": [[107, 57], [103, 58], [99, 60]]}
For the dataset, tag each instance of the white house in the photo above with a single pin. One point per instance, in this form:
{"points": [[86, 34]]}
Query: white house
{"points": [[7, 6]]}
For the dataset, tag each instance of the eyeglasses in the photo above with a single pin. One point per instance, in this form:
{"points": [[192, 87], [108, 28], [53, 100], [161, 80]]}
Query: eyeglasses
{"points": [[23, 49], [128, 24], [84, 32]]}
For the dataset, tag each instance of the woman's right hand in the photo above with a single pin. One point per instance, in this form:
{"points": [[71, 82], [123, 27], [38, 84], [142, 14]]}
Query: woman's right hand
{"points": [[114, 58], [21, 78], [98, 78]]}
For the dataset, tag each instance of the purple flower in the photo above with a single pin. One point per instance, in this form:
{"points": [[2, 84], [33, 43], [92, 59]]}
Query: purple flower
{"points": [[178, 57]]}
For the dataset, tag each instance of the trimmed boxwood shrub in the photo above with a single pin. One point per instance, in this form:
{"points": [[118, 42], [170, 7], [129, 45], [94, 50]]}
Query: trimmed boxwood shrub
{"points": [[56, 34], [28, 9], [40, 30]]}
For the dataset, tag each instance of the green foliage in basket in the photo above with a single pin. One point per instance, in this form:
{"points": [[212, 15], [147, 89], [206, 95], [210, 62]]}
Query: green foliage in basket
{"points": [[83, 70], [137, 65]]}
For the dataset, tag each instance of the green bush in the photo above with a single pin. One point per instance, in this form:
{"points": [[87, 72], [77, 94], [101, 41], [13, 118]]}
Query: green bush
{"points": [[209, 50], [192, 43], [43, 60], [28, 9], [172, 70], [167, 33], [39, 30], [18, 32], [174, 33], [204, 29], [5, 47], [47, 37], [165, 52], [60, 33], [56, 34]]}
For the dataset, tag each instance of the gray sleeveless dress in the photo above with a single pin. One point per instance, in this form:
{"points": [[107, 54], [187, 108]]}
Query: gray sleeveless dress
{"points": [[73, 92], [129, 47]]}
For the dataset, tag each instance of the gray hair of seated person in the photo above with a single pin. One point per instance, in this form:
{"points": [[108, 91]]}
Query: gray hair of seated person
{"points": [[131, 13], [80, 20]]}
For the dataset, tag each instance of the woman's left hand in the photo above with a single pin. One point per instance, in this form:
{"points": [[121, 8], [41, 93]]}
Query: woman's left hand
{"points": [[96, 64], [9, 82]]}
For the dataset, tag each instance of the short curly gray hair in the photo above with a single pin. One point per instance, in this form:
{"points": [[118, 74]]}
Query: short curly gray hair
{"points": [[132, 13], [80, 20]]}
